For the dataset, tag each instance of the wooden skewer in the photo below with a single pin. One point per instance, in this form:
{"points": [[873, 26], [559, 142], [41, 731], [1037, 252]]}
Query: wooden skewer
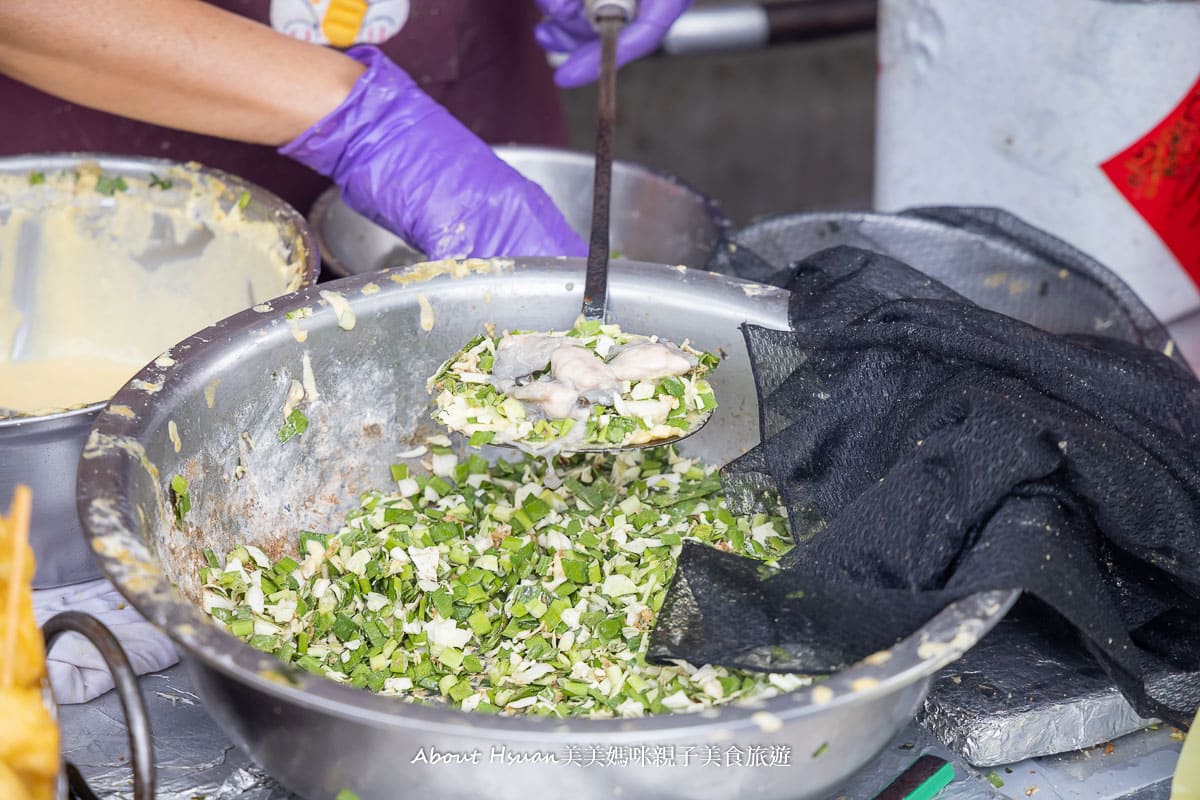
{"points": [[18, 525]]}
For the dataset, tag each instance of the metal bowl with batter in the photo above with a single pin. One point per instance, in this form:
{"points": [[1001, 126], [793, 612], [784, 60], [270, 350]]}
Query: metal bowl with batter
{"points": [[42, 448], [368, 351]]}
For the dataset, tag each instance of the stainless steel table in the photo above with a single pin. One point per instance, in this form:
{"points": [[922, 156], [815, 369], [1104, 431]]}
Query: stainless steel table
{"points": [[197, 761]]}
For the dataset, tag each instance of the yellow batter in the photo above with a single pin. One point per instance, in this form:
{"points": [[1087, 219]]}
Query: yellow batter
{"points": [[115, 279]]}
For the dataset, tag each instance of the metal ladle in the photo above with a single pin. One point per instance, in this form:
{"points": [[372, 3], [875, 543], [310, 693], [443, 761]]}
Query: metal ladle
{"points": [[609, 17]]}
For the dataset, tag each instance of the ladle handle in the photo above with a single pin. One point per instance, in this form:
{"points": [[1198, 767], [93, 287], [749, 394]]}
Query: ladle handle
{"points": [[595, 283], [125, 681], [599, 9]]}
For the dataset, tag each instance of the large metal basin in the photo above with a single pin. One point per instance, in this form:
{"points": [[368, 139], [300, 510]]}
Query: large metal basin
{"points": [[42, 451], [655, 216], [317, 737]]}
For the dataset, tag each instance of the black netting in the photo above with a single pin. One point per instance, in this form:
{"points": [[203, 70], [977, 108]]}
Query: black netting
{"points": [[927, 449]]}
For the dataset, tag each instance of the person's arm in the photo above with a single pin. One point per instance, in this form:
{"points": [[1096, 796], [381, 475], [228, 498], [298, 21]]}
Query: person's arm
{"points": [[180, 63], [399, 157]]}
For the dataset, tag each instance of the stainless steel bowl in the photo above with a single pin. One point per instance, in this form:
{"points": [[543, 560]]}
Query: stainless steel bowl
{"points": [[318, 737], [655, 217], [42, 451]]}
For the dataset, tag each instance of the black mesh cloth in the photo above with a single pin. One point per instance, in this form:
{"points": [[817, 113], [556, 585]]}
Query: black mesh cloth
{"points": [[927, 449]]}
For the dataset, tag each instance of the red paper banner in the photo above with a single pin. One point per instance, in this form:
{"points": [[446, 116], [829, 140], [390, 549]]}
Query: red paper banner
{"points": [[1160, 177]]}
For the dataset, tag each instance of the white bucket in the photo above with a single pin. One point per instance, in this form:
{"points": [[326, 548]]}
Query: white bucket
{"points": [[1018, 103]]}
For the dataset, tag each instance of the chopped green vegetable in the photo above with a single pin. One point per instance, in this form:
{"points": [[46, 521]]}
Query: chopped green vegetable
{"points": [[36, 177], [479, 438], [159, 183], [499, 593], [182, 499], [295, 424], [109, 186], [346, 794], [994, 779], [243, 201]]}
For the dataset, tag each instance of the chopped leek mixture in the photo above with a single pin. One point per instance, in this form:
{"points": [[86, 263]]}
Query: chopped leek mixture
{"points": [[481, 586], [591, 387]]}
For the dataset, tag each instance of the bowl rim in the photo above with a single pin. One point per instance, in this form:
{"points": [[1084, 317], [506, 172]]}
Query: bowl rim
{"points": [[142, 165], [113, 453], [1152, 331], [325, 202]]}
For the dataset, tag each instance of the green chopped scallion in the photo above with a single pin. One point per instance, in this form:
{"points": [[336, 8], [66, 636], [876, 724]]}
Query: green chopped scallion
{"points": [[480, 438], [295, 425], [182, 500], [108, 186], [463, 594]]}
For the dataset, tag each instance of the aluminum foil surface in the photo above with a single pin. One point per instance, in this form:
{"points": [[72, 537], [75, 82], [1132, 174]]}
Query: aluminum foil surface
{"points": [[1024, 692], [194, 757]]}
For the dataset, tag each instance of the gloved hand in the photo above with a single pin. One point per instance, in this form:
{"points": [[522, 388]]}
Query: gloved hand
{"points": [[402, 160], [566, 29]]}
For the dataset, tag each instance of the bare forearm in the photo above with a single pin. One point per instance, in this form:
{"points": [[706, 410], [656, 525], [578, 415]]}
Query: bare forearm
{"points": [[180, 63]]}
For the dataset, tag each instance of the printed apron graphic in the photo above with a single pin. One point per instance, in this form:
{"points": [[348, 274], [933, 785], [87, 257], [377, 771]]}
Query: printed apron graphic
{"points": [[340, 23]]}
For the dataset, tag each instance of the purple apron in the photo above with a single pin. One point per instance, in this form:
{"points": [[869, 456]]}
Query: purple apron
{"points": [[477, 57]]}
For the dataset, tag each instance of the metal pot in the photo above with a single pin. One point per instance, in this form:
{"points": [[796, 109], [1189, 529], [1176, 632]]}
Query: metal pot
{"points": [[655, 216], [42, 451], [318, 737]]}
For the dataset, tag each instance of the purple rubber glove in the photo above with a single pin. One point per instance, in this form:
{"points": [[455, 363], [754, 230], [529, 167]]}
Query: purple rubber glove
{"points": [[406, 163], [566, 29]]}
